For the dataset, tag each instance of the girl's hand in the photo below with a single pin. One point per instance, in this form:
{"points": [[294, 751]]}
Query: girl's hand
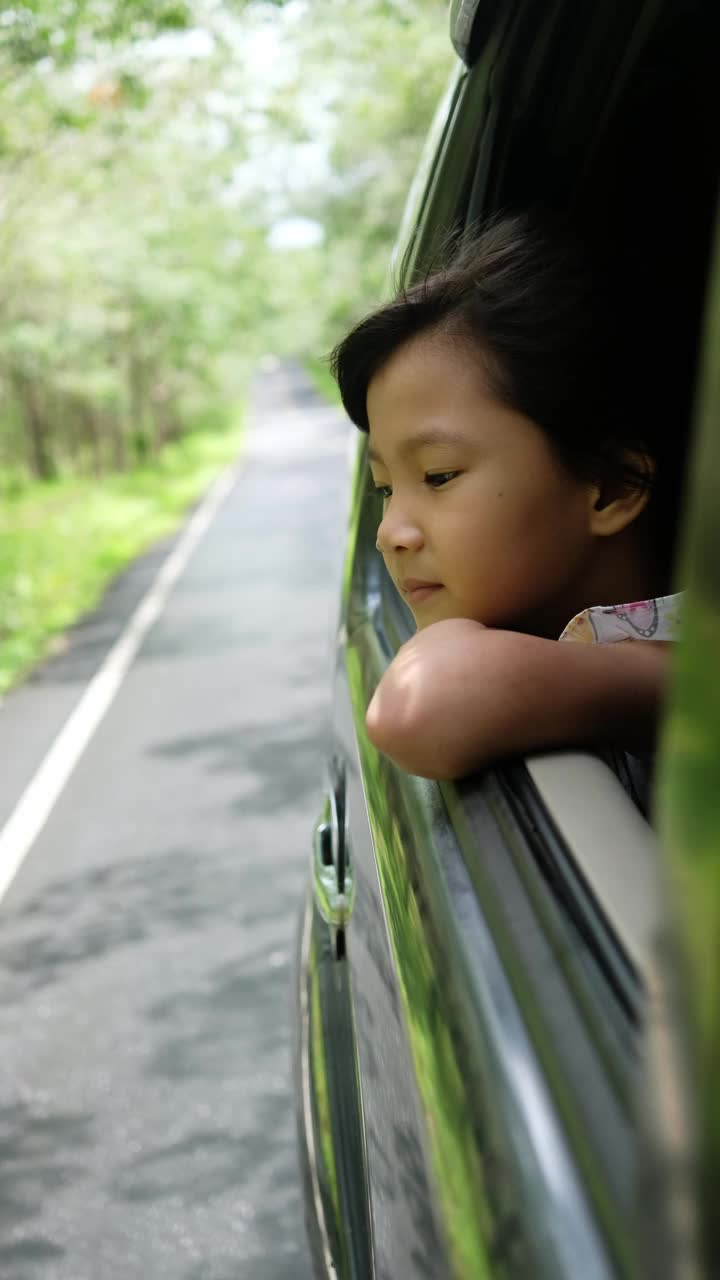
{"points": [[459, 694]]}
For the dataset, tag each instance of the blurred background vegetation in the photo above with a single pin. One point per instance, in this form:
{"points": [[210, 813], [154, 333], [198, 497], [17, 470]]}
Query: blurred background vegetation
{"points": [[185, 186]]}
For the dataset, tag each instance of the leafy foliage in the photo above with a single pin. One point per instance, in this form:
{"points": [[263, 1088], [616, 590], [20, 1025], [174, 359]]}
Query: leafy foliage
{"points": [[37, 29], [152, 155]]}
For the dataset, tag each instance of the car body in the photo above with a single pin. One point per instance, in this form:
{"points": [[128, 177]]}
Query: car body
{"points": [[489, 1082]]}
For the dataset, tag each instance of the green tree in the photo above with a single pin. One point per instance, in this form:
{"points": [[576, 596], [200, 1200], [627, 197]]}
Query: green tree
{"points": [[148, 155]]}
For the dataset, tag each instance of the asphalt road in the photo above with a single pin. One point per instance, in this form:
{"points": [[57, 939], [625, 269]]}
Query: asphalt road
{"points": [[146, 1119]]}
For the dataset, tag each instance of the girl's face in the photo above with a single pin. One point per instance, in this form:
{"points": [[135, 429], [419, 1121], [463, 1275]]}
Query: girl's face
{"points": [[480, 519]]}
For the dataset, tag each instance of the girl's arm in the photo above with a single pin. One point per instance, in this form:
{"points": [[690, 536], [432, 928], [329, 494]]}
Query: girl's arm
{"points": [[458, 695]]}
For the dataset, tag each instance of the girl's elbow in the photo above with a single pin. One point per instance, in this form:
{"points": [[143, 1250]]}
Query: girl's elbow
{"points": [[390, 727], [399, 733]]}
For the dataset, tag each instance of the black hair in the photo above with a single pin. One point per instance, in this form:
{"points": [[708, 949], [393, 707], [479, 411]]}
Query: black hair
{"points": [[565, 344]]}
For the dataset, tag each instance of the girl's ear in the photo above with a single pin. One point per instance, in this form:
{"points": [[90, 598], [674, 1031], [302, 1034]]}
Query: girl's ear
{"points": [[617, 502]]}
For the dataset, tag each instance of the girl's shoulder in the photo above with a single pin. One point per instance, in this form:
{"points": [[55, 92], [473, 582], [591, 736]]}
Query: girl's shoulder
{"points": [[656, 619]]}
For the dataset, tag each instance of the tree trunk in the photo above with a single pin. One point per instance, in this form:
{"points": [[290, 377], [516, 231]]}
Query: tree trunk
{"points": [[38, 434], [141, 426], [93, 435], [114, 430]]}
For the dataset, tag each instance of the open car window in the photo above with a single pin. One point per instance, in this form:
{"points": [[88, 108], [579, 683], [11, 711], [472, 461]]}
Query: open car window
{"points": [[649, 98]]}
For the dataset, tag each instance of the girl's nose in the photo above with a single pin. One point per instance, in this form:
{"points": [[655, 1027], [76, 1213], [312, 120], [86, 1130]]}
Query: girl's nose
{"points": [[397, 533]]}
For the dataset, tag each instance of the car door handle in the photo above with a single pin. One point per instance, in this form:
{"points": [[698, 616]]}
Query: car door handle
{"points": [[332, 874]]}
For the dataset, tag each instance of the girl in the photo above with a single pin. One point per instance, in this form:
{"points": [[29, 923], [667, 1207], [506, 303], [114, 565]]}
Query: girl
{"points": [[520, 450]]}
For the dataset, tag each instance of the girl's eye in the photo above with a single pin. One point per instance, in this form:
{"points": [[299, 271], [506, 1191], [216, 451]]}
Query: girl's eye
{"points": [[385, 490], [437, 479]]}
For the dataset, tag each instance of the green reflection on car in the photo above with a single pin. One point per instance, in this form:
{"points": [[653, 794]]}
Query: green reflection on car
{"points": [[456, 1165], [322, 1098]]}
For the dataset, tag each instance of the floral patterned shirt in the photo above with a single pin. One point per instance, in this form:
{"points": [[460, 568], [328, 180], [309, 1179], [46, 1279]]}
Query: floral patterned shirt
{"points": [[657, 619]]}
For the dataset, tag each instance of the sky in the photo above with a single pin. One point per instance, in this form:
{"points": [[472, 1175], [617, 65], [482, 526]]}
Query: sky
{"points": [[265, 41]]}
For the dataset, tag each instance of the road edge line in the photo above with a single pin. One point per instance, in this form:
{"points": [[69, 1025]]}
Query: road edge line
{"points": [[37, 801]]}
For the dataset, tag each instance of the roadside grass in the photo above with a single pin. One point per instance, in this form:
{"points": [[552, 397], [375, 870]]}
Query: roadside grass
{"points": [[62, 543]]}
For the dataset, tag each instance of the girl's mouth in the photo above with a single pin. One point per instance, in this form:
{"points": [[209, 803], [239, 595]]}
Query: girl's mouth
{"points": [[416, 591]]}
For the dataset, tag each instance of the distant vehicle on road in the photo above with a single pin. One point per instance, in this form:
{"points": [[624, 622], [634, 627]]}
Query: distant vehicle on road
{"points": [[477, 960]]}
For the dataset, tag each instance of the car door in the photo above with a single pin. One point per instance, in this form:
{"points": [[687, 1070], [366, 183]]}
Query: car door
{"points": [[494, 954]]}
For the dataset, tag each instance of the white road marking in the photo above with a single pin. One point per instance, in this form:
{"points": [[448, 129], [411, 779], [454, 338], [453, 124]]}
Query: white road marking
{"points": [[39, 797]]}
